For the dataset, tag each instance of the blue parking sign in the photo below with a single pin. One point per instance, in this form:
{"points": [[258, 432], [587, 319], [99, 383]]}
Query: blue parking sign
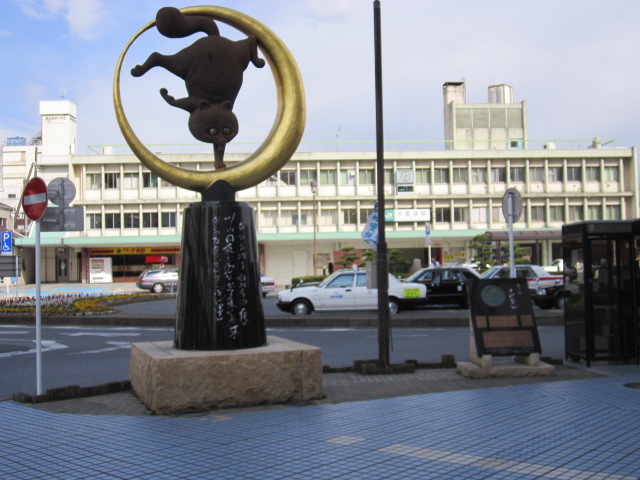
{"points": [[7, 243]]}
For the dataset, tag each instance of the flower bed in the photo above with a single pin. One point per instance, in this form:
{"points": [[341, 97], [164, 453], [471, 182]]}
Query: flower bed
{"points": [[68, 304]]}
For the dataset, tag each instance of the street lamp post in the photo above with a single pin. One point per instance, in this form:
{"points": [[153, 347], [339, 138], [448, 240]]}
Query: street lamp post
{"points": [[314, 190]]}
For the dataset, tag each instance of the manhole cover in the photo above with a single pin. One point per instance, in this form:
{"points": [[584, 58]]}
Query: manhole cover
{"points": [[632, 385]]}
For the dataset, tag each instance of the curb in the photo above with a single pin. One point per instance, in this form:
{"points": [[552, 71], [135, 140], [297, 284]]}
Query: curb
{"points": [[288, 321]]}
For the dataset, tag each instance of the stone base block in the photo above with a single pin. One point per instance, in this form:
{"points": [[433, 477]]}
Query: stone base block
{"points": [[506, 369], [168, 380]]}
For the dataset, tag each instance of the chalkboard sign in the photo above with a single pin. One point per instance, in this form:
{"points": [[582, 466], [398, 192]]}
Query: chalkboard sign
{"points": [[502, 317]]}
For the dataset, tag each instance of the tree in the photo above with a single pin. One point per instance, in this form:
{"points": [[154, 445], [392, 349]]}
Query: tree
{"points": [[483, 251], [398, 263], [348, 256]]}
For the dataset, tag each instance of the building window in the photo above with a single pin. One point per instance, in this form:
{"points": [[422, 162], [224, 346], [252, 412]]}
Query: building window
{"points": [[168, 219], [611, 174], [12, 195], [268, 218], [537, 213], [298, 220], [366, 177], [364, 215], [308, 176], [389, 178], [130, 181], [594, 212], [575, 213], [165, 184], [479, 215], [460, 175], [149, 180], [574, 174], [613, 212], [592, 173], [328, 217], [328, 177], [496, 215], [150, 220], [95, 220], [94, 181], [516, 174], [443, 215], [423, 176], [460, 214], [556, 213], [112, 220], [288, 177], [131, 220], [441, 175], [498, 175], [479, 175], [111, 180], [536, 174], [348, 177], [349, 216], [554, 174]]}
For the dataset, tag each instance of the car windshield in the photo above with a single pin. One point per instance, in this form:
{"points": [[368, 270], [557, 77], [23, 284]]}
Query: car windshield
{"points": [[423, 275]]}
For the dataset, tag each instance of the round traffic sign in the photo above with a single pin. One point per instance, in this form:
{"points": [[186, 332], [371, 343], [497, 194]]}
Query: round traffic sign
{"points": [[61, 191], [34, 198], [517, 204]]}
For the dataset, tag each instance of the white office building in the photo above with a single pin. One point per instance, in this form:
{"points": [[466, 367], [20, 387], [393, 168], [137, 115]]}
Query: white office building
{"points": [[320, 201]]}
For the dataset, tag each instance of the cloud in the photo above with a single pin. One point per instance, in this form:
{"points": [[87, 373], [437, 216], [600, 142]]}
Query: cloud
{"points": [[84, 17], [5, 33], [334, 9]]}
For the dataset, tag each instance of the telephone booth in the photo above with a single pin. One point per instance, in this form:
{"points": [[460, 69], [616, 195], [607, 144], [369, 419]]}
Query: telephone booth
{"points": [[602, 274]]}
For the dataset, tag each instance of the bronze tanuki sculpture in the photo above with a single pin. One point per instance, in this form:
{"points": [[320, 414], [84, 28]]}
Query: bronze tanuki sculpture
{"points": [[219, 302], [212, 68]]}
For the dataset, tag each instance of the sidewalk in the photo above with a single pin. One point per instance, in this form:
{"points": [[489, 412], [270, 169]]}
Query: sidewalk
{"points": [[582, 424]]}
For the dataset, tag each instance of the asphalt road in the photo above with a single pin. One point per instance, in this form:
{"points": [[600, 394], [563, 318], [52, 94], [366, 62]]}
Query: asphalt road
{"points": [[87, 356]]}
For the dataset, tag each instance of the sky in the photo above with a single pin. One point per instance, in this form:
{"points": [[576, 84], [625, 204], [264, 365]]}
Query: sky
{"points": [[576, 63]]}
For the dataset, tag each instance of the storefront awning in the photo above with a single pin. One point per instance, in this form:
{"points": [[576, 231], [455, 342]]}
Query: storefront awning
{"points": [[520, 235]]}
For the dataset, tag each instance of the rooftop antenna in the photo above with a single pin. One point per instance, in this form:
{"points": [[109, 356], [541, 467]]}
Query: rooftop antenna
{"points": [[337, 135], [62, 93]]}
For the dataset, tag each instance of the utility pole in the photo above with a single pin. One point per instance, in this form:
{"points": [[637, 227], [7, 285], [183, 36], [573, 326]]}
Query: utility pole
{"points": [[382, 255]]}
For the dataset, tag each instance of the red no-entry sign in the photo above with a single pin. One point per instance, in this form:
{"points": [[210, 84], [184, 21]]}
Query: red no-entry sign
{"points": [[34, 198]]}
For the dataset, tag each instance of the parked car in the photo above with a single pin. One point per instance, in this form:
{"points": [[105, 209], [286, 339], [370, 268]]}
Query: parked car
{"points": [[557, 266], [445, 284], [158, 280], [347, 290], [267, 284], [547, 290]]}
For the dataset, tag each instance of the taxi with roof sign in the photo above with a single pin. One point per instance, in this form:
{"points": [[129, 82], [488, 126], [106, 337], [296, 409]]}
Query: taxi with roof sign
{"points": [[347, 289]]}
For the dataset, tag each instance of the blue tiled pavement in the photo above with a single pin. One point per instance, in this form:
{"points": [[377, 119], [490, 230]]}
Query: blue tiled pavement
{"points": [[573, 430]]}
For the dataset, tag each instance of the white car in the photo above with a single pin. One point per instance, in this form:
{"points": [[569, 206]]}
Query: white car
{"points": [[267, 284], [547, 290], [347, 290], [557, 266]]}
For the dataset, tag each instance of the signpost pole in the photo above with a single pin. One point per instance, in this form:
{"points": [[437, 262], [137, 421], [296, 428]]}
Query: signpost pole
{"points": [[512, 255], [17, 274], [38, 315]]}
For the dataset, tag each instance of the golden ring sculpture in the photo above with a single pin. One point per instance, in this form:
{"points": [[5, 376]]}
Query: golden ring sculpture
{"points": [[282, 140]]}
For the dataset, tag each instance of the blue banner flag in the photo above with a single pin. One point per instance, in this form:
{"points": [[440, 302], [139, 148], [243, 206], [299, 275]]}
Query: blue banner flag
{"points": [[370, 232]]}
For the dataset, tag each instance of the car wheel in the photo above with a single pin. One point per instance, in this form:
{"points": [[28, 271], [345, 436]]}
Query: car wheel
{"points": [[562, 301], [157, 288], [393, 306], [301, 307]]}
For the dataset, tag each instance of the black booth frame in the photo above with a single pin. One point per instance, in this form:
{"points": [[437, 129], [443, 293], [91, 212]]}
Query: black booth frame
{"points": [[602, 323]]}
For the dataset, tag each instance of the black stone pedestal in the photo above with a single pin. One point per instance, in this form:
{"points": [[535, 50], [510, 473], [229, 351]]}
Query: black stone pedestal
{"points": [[219, 303]]}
